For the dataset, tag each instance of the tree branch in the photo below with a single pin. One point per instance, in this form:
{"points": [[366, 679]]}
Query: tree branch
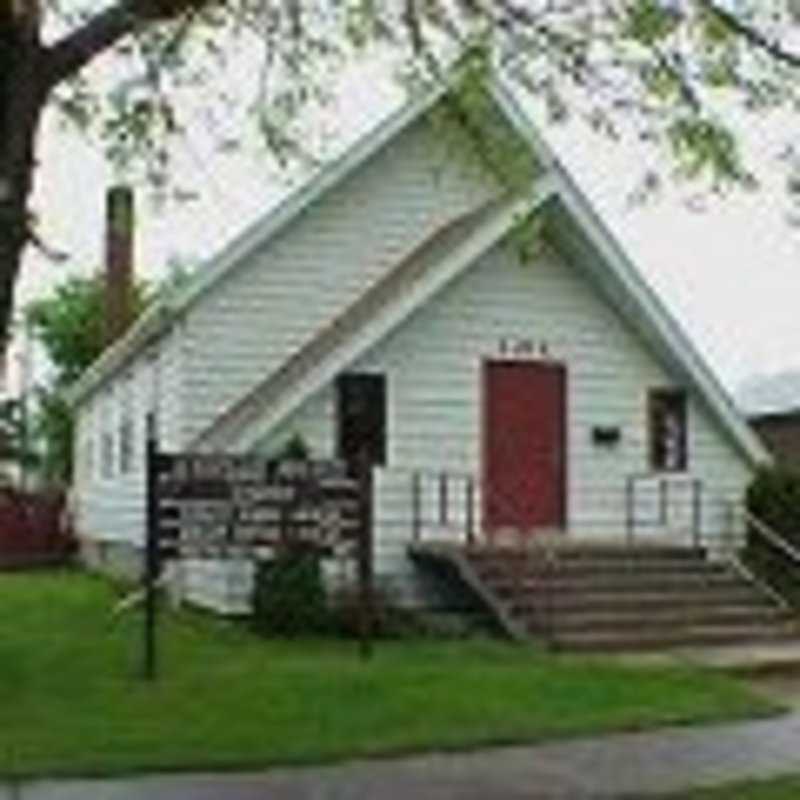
{"points": [[751, 35], [99, 33]]}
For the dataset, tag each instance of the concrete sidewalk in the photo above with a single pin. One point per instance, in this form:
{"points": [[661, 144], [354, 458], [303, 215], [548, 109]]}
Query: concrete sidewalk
{"points": [[613, 766]]}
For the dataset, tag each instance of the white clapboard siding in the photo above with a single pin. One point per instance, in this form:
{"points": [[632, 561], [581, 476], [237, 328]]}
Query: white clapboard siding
{"points": [[240, 331], [319, 264], [433, 365], [112, 509], [171, 389], [234, 335]]}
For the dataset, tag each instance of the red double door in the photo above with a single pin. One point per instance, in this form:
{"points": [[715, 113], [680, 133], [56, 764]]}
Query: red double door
{"points": [[524, 447]]}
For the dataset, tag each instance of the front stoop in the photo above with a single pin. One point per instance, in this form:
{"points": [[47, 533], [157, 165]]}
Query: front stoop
{"points": [[613, 597]]}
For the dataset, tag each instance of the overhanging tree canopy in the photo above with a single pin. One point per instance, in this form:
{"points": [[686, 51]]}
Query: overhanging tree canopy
{"points": [[662, 64]]}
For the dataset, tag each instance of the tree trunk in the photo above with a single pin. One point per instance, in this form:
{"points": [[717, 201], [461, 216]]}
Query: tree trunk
{"points": [[22, 95]]}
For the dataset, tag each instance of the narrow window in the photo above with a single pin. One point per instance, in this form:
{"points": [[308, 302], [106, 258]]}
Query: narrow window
{"points": [[85, 467], [126, 453], [107, 437], [89, 458], [667, 430], [362, 418], [154, 400]]}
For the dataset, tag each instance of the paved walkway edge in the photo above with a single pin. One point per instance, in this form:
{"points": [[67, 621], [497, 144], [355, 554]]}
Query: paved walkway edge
{"points": [[616, 765]]}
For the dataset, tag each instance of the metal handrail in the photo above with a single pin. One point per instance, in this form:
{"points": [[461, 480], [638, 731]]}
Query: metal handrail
{"points": [[663, 482], [547, 554], [443, 481]]}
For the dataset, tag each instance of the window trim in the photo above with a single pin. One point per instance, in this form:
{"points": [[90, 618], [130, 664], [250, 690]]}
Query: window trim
{"points": [[382, 457], [126, 449], [655, 397], [107, 460]]}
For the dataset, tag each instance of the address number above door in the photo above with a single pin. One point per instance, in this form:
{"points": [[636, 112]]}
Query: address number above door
{"points": [[521, 347]]}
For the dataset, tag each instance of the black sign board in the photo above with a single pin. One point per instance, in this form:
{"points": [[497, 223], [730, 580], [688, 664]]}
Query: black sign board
{"points": [[211, 503], [218, 504]]}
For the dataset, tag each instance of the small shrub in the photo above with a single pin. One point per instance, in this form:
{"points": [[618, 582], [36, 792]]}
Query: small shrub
{"points": [[774, 497], [392, 621], [388, 621], [295, 449], [289, 597]]}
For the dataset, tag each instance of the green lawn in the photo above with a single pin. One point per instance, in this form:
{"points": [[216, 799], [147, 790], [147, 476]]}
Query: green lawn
{"points": [[787, 788], [71, 703]]}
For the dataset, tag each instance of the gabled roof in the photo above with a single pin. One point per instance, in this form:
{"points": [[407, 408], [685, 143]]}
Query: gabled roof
{"points": [[578, 229], [402, 278], [596, 252], [619, 280], [377, 312], [165, 310]]}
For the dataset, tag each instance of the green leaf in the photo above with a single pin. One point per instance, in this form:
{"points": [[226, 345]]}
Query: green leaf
{"points": [[704, 146], [649, 21]]}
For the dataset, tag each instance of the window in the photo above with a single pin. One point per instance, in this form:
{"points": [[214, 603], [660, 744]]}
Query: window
{"points": [[154, 400], [125, 420], [667, 429], [88, 456], [362, 418], [107, 436], [84, 468]]}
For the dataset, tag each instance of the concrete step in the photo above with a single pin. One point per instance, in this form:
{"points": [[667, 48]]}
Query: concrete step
{"points": [[684, 636], [611, 552], [664, 619], [608, 552], [669, 583], [603, 597], [735, 595], [588, 567]]}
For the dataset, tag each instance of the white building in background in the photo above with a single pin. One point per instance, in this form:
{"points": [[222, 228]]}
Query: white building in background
{"points": [[16, 384]]}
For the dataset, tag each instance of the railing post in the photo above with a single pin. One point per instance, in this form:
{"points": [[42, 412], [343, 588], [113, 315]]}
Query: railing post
{"points": [[663, 496], [629, 508], [152, 555], [549, 580], [416, 510], [470, 510], [443, 499], [519, 564], [697, 512], [366, 555]]}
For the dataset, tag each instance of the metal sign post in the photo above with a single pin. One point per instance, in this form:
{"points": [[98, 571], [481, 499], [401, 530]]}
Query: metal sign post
{"points": [[365, 565], [152, 556], [210, 505]]}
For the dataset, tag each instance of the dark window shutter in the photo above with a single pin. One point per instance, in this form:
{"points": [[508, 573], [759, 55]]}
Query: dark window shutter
{"points": [[361, 411]]}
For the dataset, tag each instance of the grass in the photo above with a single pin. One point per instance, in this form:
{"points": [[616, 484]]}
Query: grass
{"points": [[71, 701], [784, 788]]}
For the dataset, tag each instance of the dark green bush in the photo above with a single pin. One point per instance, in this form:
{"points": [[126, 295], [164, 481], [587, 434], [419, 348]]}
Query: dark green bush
{"points": [[387, 620], [289, 596], [774, 497], [393, 621]]}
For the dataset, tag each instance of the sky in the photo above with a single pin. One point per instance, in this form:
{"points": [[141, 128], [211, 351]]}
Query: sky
{"points": [[730, 273]]}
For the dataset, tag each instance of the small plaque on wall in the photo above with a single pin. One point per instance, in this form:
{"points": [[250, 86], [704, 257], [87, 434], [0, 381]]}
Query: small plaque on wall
{"points": [[606, 435], [522, 347]]}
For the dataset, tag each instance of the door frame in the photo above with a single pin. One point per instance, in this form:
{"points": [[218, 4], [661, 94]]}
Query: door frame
{"points": [[486, 363]]}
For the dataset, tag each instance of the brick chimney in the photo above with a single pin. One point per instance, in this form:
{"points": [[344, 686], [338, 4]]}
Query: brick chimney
{"points": [[118, 311]]}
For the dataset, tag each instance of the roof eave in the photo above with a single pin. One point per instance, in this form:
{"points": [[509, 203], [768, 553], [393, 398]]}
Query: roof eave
{"points": [[651, 312], [150, 326], [255, 236]]}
